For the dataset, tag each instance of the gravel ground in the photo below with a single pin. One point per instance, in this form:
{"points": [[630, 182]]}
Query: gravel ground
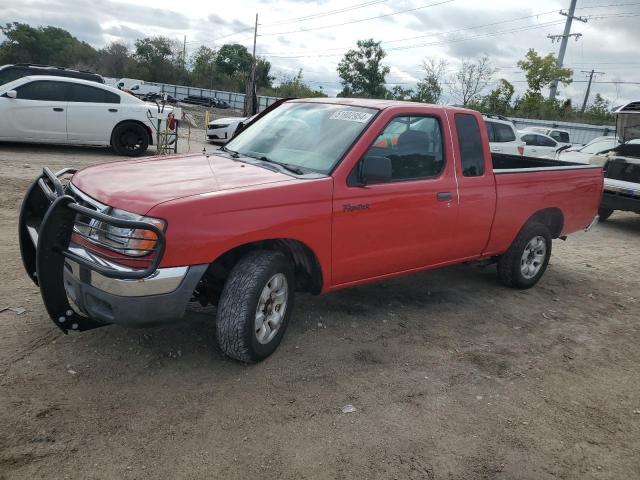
{"points": [[452, 375]]}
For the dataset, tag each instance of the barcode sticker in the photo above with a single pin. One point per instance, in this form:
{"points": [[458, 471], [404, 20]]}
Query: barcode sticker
{"points": [[351, 116]]}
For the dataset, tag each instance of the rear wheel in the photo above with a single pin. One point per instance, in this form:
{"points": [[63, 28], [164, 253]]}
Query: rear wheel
{"points": [[130, 139], [255, 306], [527, 258], [604, 213]]}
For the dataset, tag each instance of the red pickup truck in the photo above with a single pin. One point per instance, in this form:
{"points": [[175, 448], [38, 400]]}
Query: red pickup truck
{"points": [[313, 195]]}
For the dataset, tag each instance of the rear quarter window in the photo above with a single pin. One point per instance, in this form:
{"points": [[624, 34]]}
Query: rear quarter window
{"points": [[470, 142]]}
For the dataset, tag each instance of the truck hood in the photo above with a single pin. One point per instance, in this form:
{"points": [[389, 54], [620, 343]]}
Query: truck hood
{"points": [[139, 185]]}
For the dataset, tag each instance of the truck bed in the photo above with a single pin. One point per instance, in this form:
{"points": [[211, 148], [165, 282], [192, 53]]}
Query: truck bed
{"points": [[526, 185], [504, 163]]}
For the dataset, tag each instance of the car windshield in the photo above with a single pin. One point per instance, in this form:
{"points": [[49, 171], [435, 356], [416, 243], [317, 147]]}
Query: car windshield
{"points": [[311, 136]]}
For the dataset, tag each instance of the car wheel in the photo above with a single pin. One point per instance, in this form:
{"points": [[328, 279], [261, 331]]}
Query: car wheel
{"points": [[130, 139], [255, 306], [527, 258], [604, 214]]}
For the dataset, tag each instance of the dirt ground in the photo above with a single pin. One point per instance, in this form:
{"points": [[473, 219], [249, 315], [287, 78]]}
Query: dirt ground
{"points": [[452, 375]]}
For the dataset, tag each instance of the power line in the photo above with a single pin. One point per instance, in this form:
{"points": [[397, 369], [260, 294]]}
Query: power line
{"points": [[444, 42], [358, 21], [325, 14]]}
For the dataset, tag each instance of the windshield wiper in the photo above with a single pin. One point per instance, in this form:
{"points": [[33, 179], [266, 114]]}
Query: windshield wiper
{"points": [[286, 166], [233, 153]]}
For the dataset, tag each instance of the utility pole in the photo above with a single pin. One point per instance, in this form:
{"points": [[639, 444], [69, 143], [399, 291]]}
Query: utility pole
{"points": [[249, 109], [184, 54], [586, 95], [553, 90]]}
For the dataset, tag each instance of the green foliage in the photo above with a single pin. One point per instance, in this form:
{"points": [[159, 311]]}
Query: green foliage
{"points": [[429, 89], [362, 72], [292, 87], [542, 71], [497, 101], [26, 44], [158, 59], [399, 93]]}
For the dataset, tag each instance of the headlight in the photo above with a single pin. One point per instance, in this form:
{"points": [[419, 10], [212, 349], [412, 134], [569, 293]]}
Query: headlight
{"points": [[217, 125], [128, 241]]}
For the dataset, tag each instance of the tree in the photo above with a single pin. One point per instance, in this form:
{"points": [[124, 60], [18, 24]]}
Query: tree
{"points": [[293, 86], [399, 93], [159, 58], [361, 71], [233, 59], [600, 107], [542, 71], [497, 101], [47, 45], [429, 89], [471, 79], [203, 67], [115, 60]]}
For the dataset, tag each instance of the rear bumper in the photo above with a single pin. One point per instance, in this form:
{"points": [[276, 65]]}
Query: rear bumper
{"points": [[620, 201], [101, 291]]}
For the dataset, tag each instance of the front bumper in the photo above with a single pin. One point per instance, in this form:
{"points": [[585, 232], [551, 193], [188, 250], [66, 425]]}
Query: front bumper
{"points": [[101, 291]]}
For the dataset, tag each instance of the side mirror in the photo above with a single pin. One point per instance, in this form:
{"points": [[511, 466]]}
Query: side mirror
{"points": [[11, 94], [374, 169]]}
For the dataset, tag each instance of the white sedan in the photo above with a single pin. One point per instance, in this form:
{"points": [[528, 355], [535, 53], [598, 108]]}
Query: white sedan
{"points": [[539, 145], [221, 130], [49, 109], [583, 154]]}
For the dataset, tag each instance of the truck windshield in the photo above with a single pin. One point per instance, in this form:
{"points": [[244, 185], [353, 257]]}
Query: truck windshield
{"points": [[311, 136]]}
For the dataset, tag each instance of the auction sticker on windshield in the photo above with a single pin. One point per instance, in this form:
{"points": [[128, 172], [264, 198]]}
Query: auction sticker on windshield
{"points": [[351, 116]]}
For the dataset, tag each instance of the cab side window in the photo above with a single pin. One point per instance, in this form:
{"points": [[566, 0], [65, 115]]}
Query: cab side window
{"points": [[414, 147], [44, 90], [471, 148]]}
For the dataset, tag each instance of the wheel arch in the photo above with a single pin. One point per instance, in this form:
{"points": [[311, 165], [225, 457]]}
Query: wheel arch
{"points": [[552, 217], [146, 127], [307, 267]]}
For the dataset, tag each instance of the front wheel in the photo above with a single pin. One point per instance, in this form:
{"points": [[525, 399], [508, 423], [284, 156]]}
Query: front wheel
{"points": [[527, 258], [255, 306]]}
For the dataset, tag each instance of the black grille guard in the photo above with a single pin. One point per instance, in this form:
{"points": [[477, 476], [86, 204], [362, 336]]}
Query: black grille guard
{"points": [[46, 224]]}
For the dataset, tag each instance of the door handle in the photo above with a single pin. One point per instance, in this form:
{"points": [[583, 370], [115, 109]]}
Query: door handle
{"points": [[444, 196], [113, 110], [58, 109]]}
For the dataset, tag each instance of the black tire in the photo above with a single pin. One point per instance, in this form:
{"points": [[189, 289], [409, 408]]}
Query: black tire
{"points": [[511, 263], [130, 139], [604, 213], [236, 332]]}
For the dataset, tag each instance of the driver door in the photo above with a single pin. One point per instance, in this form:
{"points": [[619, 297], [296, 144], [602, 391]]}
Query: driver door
{"points": [[38, 113], [406, 223]]}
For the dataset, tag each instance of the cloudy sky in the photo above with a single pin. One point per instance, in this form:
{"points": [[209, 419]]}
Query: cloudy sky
{"points": [[314, 34]]}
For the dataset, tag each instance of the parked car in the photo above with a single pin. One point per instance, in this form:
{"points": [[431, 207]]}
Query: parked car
{"points": [[159, 97], [48, 109], [560, 136], [622, 164], [310, 196], [539, 145], [584, 153], [9, 73], [221, 130], [206, 101], [503, 136]]}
